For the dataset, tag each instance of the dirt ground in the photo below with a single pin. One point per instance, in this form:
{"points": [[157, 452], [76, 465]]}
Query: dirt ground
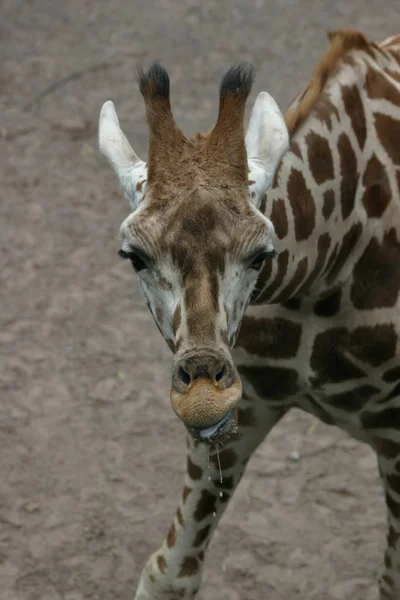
{"points": [[91, 455]]}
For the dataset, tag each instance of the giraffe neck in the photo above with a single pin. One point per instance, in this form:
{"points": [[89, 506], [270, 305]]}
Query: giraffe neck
{"points": [[333, 188]]}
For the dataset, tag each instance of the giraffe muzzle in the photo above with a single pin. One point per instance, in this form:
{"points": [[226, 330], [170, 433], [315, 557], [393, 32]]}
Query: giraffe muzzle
{"points": [[205, 408], [221, 428]]}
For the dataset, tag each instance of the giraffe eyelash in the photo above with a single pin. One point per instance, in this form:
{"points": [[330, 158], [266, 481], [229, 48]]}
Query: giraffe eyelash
{"points": [[137, 262]]}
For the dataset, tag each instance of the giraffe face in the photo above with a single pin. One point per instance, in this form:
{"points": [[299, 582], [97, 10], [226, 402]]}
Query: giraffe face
{"points": [[196, 237], [198, 259]]}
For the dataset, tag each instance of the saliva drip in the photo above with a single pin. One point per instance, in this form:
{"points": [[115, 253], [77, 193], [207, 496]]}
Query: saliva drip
{"points": [[219, 465]]}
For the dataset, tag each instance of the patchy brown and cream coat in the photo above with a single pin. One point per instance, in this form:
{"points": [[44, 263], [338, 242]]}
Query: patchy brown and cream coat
{"points": [[322, 328]]}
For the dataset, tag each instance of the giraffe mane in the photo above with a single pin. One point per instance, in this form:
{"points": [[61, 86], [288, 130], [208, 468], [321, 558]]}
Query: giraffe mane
{"points": [[341, 42]]}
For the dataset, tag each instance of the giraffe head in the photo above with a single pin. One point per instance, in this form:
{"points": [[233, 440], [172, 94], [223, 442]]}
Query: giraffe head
{"points": [[196, 236]]}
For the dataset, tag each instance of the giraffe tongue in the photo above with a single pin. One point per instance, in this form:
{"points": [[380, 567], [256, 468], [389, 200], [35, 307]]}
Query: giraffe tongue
{"points": [[217, 428]]}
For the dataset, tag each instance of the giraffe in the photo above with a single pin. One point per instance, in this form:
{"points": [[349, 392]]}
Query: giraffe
{"points": [[270, 263]]}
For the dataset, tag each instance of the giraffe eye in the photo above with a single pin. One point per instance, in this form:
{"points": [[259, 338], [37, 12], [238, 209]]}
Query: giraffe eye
{"points": [[137, 262], [258, 261]]}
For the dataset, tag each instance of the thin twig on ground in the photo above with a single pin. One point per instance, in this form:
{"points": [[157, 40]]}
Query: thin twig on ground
{"points": [[105, 65]]}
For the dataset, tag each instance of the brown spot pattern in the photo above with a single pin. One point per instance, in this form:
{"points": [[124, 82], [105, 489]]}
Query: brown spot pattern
{"points": [[279, 218], [355, 109], [277, 338], [195, 472], [300, 273], [393, 537], [393, 74], [333, 351], [392, 374], [186, 492], [374, 345], [394, 482], [353, 400], [388, 580], [302, 204], [190, 566], [376, 276], [349, 242], [331, 259], [205, 506], [326, 111], [274, 383], [201, 536], [320, 412], [323, 245], [328, 359], [283, 260], [387, 448], [179, 517], [171, 537], [295, 148], [377, 192], [393, 506], [379, 86], [319, 157], [388, 130], [349, 175], [328, 306], [394, 393], [329, 203], [388, 418], [162, 563], [292, 304]]}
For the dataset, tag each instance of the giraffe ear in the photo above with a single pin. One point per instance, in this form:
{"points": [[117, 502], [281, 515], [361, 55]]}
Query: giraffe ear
{"points": [[267, 140], [130, 170]]}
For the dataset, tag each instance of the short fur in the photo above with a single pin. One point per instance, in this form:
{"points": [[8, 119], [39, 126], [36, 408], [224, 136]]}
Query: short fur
{"points": [[342, 42], [224, 146], [226, 142], [166, 141], [154, 82]]}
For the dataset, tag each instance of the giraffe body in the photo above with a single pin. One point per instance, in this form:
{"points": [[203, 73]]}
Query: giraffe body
{"points": [[322, 330]]}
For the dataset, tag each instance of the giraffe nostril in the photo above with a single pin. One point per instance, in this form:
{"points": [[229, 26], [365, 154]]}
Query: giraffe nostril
{"points": [[184, 376], [220, 374]]}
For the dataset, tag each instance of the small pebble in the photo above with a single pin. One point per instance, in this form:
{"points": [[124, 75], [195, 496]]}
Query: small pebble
{"points": [[294, 456]]}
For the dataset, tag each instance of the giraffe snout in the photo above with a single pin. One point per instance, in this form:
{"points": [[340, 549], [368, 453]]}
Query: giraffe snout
{"points": [[216, 368], [206, 388]]}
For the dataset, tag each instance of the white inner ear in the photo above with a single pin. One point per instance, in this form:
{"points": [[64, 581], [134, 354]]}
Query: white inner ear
{"points": [[130, 170], [267, 140]]}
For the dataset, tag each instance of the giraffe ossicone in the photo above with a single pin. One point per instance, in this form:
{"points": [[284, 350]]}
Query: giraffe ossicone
{"points": [[318, 327]]}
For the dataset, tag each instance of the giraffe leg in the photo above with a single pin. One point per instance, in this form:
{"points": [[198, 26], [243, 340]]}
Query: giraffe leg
{"points": [[175, 570], [389, 467]]}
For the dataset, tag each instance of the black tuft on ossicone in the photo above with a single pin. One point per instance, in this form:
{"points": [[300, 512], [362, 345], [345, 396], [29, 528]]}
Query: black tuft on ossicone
{"points": [[238, 80], [154, 82]]}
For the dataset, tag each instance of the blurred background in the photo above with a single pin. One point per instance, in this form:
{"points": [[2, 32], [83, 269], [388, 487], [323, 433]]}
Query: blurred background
{"points": [[91, 455]]}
